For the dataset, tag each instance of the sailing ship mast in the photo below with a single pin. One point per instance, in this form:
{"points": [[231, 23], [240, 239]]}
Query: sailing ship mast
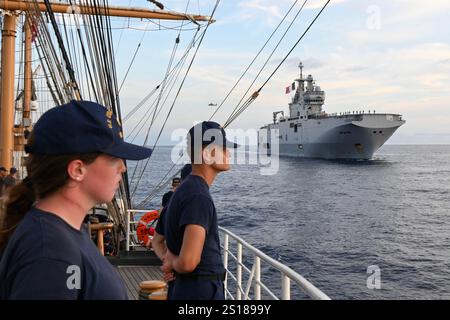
{"points": [[12, 138]]}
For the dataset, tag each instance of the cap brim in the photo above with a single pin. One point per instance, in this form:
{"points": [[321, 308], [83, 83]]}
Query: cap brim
{"points": [[128, 151], [226, 143]]}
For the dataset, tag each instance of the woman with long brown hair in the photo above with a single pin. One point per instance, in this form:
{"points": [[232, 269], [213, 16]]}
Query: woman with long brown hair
{"points": [[76, 154]]}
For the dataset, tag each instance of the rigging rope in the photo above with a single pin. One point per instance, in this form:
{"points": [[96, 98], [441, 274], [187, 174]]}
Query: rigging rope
{"points": [[254, 59], [174, 77], [179, 89], [256, 93], [232, 115], [62, 48], [132, 61]]}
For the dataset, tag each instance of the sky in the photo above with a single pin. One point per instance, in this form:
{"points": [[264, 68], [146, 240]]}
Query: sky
{"points": [[390, 56]]}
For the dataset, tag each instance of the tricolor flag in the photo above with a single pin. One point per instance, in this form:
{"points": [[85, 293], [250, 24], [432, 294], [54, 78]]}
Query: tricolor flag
{"points": [[290, 88]]}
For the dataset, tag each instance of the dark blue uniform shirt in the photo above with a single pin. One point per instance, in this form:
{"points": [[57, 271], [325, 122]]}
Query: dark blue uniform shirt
{"points": [[166, 198], [165, 202], [161, 223], [48, 259], [192, 204]]}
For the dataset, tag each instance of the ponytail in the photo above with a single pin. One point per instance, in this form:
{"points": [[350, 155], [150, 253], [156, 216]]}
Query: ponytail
{"points": [[20, 200]]}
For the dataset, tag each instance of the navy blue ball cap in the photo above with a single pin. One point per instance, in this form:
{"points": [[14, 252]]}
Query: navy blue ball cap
{"points": [[209, 132], [82, 127], [176, 180]]}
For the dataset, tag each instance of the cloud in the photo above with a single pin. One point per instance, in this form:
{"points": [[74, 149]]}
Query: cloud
{"points": [[262, 6], [355, 69], [270, 13], [318, 4], [434, 80], [397, 21], [383, 36], [293, 62], [404, 11], [260, 10]]}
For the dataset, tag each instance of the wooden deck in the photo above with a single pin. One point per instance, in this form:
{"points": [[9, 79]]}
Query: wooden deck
{"points": [[133, 275]]}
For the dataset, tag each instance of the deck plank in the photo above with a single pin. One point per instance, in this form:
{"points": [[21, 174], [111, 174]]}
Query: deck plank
{"points": [[129, 283], [133, 275]]}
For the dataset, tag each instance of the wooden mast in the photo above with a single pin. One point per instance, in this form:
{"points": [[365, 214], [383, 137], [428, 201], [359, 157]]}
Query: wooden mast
{"points": [[8, 60], [19, 130], [7, 86]]}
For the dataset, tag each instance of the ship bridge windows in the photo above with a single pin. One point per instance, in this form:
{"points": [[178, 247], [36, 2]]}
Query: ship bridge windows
{"points": [[345, 132]]}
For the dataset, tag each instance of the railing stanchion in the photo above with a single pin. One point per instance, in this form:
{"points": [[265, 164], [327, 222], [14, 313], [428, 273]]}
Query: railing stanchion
{"points": [[225, 259], [128, 231], [257, 287], [285, 287], [239, 272]]}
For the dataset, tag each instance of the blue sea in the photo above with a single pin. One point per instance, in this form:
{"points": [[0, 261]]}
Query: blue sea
{"points": [[331, 221]]}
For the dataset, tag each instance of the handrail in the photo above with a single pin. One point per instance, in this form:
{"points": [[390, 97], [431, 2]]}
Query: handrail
{"points": [[287, 274]]}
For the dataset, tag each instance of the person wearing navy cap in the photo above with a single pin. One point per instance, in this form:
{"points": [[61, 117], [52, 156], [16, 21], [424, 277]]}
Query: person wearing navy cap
{"points": [[191, 230], [76, 160], [159, 240]]}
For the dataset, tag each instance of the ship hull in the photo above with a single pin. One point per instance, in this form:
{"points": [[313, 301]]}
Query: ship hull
{"points": [[361, 146]]}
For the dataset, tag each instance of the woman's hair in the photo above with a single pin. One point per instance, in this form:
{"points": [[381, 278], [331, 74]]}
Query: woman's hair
{"points": [[46, 175]]}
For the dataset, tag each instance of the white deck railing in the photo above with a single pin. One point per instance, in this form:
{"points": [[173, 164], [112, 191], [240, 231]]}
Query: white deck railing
{"points": [[287, 275]]}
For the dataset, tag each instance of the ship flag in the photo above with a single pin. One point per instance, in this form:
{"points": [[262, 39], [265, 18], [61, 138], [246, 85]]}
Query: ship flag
{"points": [[290, 88]]}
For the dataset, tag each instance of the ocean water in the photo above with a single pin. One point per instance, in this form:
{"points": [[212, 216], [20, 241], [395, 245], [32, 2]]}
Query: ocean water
{"points": [[332, 220]]}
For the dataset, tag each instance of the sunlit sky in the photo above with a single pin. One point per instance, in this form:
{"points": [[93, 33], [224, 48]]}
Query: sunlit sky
{"points": [[389, 56]]}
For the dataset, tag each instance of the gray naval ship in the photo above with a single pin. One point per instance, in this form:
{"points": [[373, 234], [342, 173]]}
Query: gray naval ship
{"points": [[310, 132]]}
